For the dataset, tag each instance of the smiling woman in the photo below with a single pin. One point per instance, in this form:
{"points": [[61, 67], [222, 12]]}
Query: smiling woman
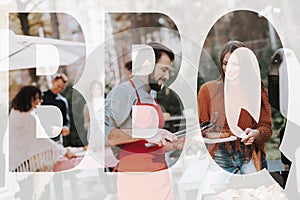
{"points": [[249, 154], [255, 31]]}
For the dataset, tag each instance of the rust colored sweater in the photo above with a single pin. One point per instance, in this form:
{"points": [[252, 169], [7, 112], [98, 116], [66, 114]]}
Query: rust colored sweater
{"points": [[211, 99]]}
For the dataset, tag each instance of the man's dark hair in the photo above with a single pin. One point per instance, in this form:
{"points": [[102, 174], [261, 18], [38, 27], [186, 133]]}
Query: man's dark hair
{"points": [[159, 49], [62, 77], [128, 66], [22, 101]]}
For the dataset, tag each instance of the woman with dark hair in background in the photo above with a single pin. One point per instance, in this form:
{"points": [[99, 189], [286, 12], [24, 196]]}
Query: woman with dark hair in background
{"points": [[26, 152], [247, 155]]}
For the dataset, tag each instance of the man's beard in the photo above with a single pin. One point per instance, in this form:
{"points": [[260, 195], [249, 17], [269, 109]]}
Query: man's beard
{"points": [[153, 84]]}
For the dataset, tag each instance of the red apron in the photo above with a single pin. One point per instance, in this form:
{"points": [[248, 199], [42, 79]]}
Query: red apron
{"points": [[135, 157]]}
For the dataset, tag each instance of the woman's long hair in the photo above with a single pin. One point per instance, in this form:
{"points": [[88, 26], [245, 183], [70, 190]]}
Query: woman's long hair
{"points": [[229, 48], [23, 100]]}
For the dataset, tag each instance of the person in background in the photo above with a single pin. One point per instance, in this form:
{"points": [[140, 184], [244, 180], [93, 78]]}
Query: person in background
{"points": [[274, 98], [249, 154], [54, 98], [93, 112], [28, 153], [95, 104], [128, 70]]}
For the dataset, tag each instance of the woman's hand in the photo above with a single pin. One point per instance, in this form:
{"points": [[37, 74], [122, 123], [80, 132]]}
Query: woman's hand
{"points": [[65, 131], [69, 154], [252, 134]]}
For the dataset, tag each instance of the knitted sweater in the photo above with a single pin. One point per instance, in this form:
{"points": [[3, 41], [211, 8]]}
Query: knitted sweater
{"points": [[26, 152], [211, 99]]}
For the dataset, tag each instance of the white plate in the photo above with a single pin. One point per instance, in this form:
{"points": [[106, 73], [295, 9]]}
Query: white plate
{"points": [[220, 140], [77, 151], [82, 153]]}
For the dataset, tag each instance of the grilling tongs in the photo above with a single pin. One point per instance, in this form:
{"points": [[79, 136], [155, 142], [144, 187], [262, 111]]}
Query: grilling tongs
{"points": [[204, 126]]}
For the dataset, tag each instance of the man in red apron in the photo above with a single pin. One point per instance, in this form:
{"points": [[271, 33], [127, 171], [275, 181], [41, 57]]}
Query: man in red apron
{"points": [[152, 179]]}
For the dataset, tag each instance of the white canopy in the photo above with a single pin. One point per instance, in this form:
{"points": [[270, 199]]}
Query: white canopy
{"points": [[22, 51]]}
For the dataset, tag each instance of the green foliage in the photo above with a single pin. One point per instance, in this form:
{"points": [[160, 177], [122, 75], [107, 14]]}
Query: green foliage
{"points": [[278, 120]]}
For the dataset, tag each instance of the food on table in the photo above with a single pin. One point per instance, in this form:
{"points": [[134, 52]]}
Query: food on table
{"points": [[217, 135], [261, 193]]}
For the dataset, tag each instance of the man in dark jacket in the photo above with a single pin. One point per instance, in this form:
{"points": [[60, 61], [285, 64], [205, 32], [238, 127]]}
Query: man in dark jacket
{"points": [[53, 97]]}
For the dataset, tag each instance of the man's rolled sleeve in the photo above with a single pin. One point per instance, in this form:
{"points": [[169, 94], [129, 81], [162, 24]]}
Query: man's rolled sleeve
{"points": [[107, 131], [117, 110]]}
